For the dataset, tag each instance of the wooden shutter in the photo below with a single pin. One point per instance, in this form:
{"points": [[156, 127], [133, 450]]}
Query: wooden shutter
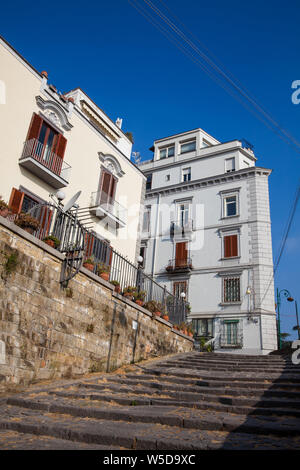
{"points": [[35, 127], [181, 254], [16, 201], [45, 221], [108, 185], [61, 146], [230, 246]]}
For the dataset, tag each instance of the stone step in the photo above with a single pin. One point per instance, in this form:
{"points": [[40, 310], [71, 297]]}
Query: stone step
{"points": [[207, 366], [196, 395], [245, 365], [13, 440], [134, 435], [198, 387], [171, 416], [254, 377], [230, 356], [136, 399], [212, 382]]}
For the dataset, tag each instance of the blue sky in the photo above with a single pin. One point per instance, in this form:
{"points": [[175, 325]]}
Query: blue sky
{"points": [[131, 70]]}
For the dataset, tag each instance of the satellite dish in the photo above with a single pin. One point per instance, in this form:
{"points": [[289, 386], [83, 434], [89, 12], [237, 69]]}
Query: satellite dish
{"points": [[71, 202]]}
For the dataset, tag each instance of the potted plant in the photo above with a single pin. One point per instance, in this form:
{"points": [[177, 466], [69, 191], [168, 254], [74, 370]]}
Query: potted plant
{"points": [[89, 264], [139, 297], [183, 328], [52, 241], [129, 292], [165, 316], [103, 271], [117, 286], [190, 330], [27, 222], [4, 209], [154, 307]]}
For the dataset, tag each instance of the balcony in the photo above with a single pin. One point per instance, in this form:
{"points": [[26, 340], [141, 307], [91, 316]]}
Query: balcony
{"points": [[179, 265], [181, 229], [102, 206], [45, 164]]}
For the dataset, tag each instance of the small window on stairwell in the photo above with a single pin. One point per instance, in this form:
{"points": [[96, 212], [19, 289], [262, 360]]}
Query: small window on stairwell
{"points": [[179, 287]]}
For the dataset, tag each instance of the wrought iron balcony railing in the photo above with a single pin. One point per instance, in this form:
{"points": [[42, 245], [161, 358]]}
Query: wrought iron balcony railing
{"points": [[179, 265], [179, 229], [40, 160], [102, 205]]}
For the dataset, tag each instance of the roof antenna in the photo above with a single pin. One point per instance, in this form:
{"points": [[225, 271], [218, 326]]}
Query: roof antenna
{"points": [[136, 157]]}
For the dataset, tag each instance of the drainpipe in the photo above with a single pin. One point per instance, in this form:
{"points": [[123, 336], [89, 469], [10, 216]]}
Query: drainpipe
{"points": [[156, 233]]}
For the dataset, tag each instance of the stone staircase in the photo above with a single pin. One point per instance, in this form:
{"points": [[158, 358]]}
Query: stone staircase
{"points": [[191, 401]]}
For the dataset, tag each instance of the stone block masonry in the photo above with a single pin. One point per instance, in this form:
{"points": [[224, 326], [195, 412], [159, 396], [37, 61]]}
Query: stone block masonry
{"points": [[49, 333]]}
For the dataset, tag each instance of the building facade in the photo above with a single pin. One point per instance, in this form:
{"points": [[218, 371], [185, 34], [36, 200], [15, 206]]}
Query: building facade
{"points": [[207, 233], [64, 142]]}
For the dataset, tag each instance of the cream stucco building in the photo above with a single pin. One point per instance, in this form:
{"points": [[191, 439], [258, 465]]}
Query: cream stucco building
{"points": [[52, 142]]}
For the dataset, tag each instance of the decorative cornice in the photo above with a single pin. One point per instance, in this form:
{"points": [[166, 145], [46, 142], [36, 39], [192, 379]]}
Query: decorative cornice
{"points": [[209, 181], [111, 163], [54, 113]]}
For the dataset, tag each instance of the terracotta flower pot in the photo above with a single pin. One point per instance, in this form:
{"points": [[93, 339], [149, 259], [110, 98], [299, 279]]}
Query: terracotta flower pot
{"points": [[117, 289], [158, 314], [128, 295], [139, 302], [50, 243], [88, 266], [4, 212], [104, 276], [165, 317], [191, 334]]}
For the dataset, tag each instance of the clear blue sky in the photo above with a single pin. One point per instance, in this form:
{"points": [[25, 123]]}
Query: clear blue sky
{"points": [[131, 70]]}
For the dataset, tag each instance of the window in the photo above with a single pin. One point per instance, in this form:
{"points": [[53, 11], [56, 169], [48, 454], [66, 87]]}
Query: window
{"points": [[108, 183], [188, 146], [203, 327], [183, 211], [229, 165], [146, 219], [230, 337], [167, 152], [48, 145], [181, 254], [230, 206], [231, 290], [179, 287], [167, 177], [149, 182], [230, 246], [143, 255], [186, 174]]}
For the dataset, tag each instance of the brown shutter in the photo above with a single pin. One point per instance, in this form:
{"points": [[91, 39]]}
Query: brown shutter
{"points": [[181, 254], [230, 246], [16, 201], [61, 146], [227, 247], [112, 189], [45, 221], [234, 245], [35, 126]]}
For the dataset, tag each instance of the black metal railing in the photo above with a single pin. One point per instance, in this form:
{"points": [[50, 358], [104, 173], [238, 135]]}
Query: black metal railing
{"points": [[178, 264], [81, 243]]}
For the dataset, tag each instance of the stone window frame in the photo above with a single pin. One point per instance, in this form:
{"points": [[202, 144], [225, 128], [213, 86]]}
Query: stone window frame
{"points": [[226, 194]]}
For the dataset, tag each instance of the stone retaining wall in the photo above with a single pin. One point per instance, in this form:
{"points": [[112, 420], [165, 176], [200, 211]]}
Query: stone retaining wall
{"points": [[47, 332]]}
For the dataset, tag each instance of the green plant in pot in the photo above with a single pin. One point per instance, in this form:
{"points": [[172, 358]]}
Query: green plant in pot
{"points": [[52, 241], [139, 297], [154, 307], [129, 291], [4, 209], [27, 222], [89, 264], [117, 286], [103, 271]]}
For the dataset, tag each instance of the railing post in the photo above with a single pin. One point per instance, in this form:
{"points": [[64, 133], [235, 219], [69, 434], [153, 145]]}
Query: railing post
{"points": [[164, 298]]}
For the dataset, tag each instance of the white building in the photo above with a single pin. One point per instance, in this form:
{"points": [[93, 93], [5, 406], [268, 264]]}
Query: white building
{"points": [[207, 232]]}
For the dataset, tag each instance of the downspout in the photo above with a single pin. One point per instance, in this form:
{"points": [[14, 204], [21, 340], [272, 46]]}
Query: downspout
{"points": [[155, 236]]}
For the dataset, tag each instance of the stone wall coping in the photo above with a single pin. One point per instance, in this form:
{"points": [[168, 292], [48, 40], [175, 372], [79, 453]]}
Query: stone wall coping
{"points": [[52, 251]]}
